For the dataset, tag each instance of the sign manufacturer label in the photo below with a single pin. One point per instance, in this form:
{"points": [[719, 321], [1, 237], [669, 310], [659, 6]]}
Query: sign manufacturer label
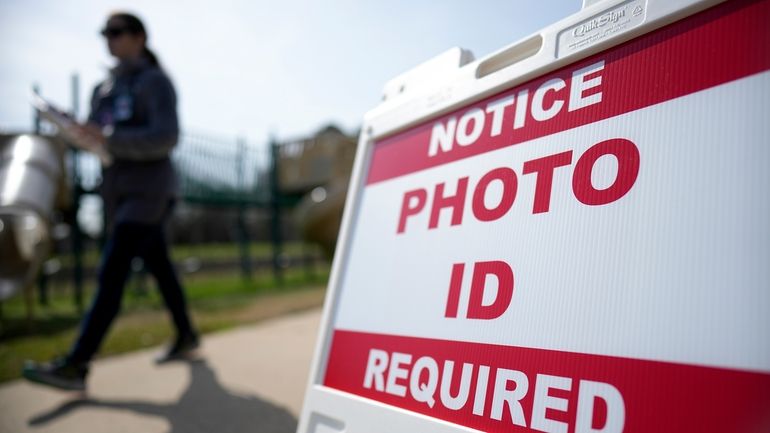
{"points": [[619, 19]]}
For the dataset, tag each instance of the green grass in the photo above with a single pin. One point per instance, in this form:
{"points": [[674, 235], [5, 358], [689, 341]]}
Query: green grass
{"points": [[217, 302]]}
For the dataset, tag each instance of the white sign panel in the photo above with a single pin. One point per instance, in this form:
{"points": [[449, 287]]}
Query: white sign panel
{"points": [[588, 251]]}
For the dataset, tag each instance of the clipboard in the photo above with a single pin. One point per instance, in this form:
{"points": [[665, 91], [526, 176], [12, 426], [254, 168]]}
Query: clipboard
{"points": [[68, 128]]}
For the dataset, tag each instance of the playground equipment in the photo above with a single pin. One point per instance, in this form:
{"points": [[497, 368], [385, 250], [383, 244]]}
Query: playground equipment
{"points": [[31, 184], [317, 171]]}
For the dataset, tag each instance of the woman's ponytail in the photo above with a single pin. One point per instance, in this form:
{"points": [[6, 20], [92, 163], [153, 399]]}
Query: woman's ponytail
{"points": [[151, 56]]}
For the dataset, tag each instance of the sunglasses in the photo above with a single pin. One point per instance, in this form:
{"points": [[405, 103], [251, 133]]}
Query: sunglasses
{"points": [[113, 32]]}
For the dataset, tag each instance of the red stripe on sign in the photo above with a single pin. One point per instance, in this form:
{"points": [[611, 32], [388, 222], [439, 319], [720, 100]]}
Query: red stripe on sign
{"points": [[719, 45], [500, 388]]}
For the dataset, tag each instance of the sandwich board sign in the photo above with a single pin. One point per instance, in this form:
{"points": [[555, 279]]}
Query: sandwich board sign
{"points": [[571, 234]]}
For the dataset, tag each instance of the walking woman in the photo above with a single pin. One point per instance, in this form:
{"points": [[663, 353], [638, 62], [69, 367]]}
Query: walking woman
{"points": [[133, 115]]}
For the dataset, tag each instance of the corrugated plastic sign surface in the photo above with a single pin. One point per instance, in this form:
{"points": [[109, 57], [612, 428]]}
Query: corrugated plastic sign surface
{"points": [[588, 251]]}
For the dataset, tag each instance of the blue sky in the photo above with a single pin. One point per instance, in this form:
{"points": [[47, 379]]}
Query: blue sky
{"points": [[252, 68]]}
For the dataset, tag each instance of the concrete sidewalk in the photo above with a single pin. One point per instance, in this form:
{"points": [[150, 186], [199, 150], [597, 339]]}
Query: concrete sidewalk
{"points": [[251, 379]]}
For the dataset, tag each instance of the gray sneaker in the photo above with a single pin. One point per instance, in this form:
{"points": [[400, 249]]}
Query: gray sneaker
{"points": [[183, 348], [58, 373]]}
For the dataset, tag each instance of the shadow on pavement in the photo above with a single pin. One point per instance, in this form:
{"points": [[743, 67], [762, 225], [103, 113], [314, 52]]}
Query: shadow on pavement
{"points": [[206, 406]]}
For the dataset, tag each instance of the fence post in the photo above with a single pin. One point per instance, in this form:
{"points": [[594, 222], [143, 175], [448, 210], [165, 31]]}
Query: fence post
{"points": [[243, 233], [309, 262], [76, 233], [275, 206], [77, 194], [42, 280], [35, 113]]}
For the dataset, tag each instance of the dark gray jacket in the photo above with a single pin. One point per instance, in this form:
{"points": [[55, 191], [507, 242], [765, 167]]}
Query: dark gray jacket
{"points": [[136, 106]]}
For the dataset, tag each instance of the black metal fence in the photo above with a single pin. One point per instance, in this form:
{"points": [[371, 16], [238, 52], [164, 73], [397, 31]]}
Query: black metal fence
{"points": [[231, 176]]}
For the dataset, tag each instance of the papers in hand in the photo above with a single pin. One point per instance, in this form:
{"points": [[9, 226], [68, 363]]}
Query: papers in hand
{"points": [[69, 129]]}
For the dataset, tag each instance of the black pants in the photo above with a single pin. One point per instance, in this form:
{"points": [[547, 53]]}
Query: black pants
{"points": [[129, 240]]}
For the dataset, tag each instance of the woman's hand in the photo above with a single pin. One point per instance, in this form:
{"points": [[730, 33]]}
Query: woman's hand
{"points": [[88, 137], [91, 135]]}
